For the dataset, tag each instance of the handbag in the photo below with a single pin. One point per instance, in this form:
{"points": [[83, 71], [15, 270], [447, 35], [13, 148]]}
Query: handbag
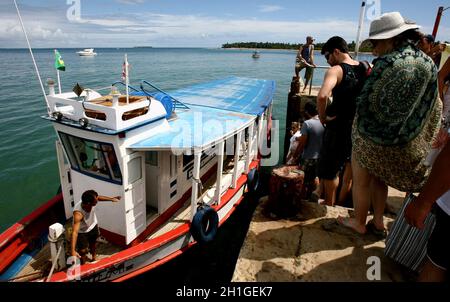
{"points": [[405, 244]]}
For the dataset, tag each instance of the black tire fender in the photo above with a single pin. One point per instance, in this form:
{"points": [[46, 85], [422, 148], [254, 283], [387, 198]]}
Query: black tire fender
{"points": [[253, 180], [205, 224]]}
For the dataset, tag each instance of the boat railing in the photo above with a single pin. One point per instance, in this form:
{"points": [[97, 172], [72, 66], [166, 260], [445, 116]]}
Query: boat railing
{"points": [[125, 85], [177, 104], [312, 75]]}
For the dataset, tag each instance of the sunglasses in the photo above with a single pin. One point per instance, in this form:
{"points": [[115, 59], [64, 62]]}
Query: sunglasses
{"points": [[327, 55]]}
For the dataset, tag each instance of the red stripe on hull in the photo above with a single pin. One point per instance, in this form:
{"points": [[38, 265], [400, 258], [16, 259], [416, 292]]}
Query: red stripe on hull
{"points": [[19, 236]]}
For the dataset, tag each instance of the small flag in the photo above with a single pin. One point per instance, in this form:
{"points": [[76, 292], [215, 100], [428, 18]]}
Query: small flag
{"points": [[59, 63], [125, 66]]}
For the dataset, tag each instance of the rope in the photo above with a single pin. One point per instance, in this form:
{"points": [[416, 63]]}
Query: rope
{"points": [[32, 57], [54, 263]]}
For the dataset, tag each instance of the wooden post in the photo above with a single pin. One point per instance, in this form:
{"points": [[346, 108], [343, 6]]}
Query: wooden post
{"points": [[236, 159], [248, 158], [219, 154], [284, 191], [195, 181], [293, 113]]}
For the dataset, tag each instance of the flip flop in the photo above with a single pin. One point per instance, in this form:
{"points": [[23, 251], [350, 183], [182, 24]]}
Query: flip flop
{"points": [[377, 232], [346, 222]]}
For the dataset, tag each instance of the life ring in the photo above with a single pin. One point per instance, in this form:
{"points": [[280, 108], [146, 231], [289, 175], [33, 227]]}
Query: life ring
{"points": [[204, 225], [253, 181]]}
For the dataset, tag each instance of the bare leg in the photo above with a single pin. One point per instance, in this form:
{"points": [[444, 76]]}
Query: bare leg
{"points": [[361, 193], [431, 273], [307, 80], [93, 249], [330, 187], [317, 193], [346, 183], [379, 192], [361, 199]]}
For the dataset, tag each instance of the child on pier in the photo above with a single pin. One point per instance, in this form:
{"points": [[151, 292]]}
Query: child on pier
{"points": [[295, 132]]}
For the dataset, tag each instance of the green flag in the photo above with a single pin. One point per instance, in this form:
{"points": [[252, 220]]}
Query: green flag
{"points": [[59, 63]]}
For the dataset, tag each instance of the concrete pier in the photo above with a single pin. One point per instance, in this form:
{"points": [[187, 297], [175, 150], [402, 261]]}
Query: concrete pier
{"points": [[310, 246]]}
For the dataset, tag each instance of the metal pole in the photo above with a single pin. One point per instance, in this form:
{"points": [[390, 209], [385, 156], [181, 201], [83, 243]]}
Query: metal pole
{"points": [[360, 25], [59, 80], [127, 80], [311, 81], [437, 21], [32, 57]]}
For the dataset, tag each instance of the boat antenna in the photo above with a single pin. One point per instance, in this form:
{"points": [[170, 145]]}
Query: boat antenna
{"points": [[32, 56], [360, 25]]}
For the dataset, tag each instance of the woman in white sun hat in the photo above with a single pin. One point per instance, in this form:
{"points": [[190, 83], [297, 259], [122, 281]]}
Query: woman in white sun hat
{"points": [[397, 116]]}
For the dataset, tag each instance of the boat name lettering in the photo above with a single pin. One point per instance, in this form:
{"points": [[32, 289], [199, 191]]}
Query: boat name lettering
{"points": [[107, 273]]}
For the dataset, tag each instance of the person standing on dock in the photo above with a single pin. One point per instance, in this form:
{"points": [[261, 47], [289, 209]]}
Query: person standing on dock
{"points": [[85, 229], [305, 59], [397, 118], [344, 80]]}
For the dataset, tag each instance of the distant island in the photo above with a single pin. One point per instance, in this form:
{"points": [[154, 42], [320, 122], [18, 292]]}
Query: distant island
{"points": [[271, 45]]}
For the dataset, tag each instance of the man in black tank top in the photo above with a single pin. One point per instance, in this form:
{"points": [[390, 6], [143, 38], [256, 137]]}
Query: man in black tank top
{"points": [[344, 81], [305, 59]]}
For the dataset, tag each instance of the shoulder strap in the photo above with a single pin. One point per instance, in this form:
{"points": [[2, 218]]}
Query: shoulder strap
{"points": [[367, 67]]}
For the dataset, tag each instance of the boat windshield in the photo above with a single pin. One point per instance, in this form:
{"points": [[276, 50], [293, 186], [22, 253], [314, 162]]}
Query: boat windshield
{"points": [[93, 158]]}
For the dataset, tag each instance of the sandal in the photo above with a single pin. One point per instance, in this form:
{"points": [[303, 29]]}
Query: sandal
{"points": [[377, 232]]}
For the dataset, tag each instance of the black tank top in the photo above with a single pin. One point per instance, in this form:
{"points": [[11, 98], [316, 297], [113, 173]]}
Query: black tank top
{"points": [[345, 94]]}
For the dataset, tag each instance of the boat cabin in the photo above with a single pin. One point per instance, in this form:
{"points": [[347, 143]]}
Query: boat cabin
{"points": [[163, 153]]}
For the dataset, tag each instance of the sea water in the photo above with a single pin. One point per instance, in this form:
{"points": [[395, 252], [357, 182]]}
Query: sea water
{"points": [[28, 167]]}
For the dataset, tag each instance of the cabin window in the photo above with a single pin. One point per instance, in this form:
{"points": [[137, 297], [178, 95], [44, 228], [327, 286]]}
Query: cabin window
{"points": [[92, 158], [151, 158], [134, 170]]}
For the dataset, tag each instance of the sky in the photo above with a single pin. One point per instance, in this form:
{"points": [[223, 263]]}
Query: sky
{"points": [[199, 23]]}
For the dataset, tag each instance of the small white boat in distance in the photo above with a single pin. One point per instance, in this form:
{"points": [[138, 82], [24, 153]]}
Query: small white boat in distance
{"points": [[87, 52]]}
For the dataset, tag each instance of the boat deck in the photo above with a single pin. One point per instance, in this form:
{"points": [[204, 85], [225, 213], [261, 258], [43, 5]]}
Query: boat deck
{"points": [[40, 264], [107, 100]]}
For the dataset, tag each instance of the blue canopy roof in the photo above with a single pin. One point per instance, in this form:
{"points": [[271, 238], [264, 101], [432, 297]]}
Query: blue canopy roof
{"points": [[198, 127], [245, 95], [218, 110]]}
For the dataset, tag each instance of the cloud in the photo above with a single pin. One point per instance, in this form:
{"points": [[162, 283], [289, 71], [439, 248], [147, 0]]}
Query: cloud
{"points": [[52, 29], [130, 1], [269, 8]]}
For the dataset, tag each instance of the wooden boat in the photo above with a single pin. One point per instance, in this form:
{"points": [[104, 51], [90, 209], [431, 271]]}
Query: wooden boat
{"points": [[255, 55], [181, 163]]}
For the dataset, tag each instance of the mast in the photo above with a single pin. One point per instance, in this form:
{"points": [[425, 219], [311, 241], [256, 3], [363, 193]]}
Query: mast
{"points": [[59, 79], [361, 21]]}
